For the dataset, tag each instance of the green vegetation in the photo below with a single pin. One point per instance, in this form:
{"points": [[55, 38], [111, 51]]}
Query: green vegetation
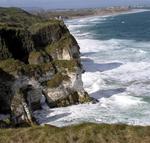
{"points": [[35, 57], [17, 16], [26, 33], [65, 42], [32, 47], [71, 99], [84, 133], [85, 99], [56, 80], [37, 26], [71, 65], [13, 67], [5, 123], [33, 70]]}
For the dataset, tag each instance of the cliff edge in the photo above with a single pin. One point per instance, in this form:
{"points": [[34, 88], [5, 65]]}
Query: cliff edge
{"points": [[39, 62]]}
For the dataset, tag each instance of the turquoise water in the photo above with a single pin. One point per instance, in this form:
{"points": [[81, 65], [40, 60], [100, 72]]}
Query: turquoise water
{"points": [[115, 52], [133, 26]]}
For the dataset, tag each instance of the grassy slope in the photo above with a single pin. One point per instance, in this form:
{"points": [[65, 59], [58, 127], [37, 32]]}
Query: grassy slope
{"points": [[84, 133], [17, 16]]}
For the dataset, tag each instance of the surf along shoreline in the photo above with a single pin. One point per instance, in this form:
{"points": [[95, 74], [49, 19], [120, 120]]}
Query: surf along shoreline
{"points": [[128, 12], [101, 13], [66, 111], [68, 14]]}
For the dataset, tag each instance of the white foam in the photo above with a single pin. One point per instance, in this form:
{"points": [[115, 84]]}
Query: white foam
{"points": [[85, 21], [75, 24], [123, 101], [97, 45], [131, 72], [105, 111], [72, 27], [117, 74], [93, 82]]}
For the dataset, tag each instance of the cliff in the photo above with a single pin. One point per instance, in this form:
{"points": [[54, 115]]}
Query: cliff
{"points": [[39, 59]]}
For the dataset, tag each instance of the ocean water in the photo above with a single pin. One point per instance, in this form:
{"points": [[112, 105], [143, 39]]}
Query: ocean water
{"points": [[115, 52]]}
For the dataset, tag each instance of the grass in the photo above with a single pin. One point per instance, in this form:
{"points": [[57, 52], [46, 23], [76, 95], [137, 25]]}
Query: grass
{"points": [[57, 80], [17, 16], [71, 65], [83, 133], [37, 26], [34, 57], [32, 70], [10, 65], [65, 42], [13, 67]]}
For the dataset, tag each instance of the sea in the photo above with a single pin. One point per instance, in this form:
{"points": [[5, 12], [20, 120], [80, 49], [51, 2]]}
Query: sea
{"points": [[115, 53]]}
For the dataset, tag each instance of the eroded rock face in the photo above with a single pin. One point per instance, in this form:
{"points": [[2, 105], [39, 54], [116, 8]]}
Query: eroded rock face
{"points": [[6, 81], [37, 60], [17, 43]]}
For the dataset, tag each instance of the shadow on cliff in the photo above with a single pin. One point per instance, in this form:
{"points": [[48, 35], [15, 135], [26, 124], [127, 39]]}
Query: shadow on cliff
{"points": [[45, 114], [6, 81], [55, 117], [90, 66], [107, 93]]}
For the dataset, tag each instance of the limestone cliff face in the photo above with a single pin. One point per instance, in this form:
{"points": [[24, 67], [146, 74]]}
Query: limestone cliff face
{"points": [[36, 61]]}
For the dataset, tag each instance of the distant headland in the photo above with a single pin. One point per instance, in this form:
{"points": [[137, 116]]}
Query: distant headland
{"points": [[78, 13]]}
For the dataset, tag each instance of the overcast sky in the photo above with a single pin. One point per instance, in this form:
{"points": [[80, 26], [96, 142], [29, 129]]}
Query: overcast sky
{"points": [[70, 3]]}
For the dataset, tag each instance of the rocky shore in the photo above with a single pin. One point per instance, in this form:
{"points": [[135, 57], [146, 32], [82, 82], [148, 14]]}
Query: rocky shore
{"points": [[39, 62]]}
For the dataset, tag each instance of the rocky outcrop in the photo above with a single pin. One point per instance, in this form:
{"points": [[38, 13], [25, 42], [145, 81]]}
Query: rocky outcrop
{"points": [[36, 61]]}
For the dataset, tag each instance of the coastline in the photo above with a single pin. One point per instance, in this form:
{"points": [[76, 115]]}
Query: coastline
{"points": [[85, 130], [84, 21], [68, 14], [104, 66], [130, 11]]}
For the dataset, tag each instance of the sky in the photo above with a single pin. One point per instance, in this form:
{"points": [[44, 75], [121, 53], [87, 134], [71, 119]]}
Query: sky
{"points": [[54, 4]]}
